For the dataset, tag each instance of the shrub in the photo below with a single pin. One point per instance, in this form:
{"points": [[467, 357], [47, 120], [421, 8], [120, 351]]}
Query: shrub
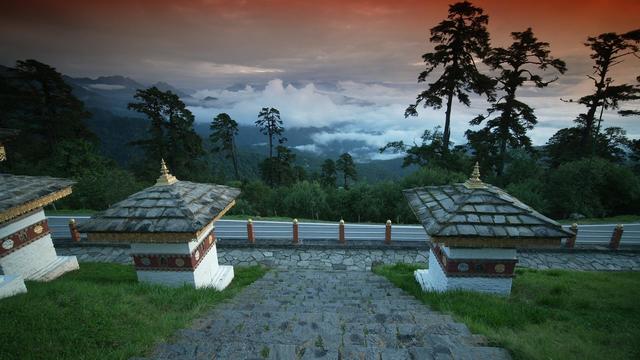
{"points": [[592, 187]]}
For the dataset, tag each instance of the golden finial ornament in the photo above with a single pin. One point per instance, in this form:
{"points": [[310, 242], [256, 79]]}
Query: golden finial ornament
{"points": [[165, 176], [474, 181]]}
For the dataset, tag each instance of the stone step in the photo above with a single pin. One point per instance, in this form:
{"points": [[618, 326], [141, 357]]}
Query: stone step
{"points": [[326, 315], [310, 316], [318, 350], [332, 330], [11, 285], [54, 269]]}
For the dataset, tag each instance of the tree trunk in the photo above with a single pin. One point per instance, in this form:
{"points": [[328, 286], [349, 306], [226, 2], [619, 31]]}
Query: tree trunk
{"points": [[503, 156], [447, 124], [270, 145], [234, 158], [591, 114]]}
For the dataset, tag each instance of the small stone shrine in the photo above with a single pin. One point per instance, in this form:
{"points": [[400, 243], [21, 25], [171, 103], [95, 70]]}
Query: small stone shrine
{"points": [[475, 229], [170, 227], [26, 248]]}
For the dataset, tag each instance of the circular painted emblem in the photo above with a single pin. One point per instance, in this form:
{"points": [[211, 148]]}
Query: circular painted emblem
{"points": [[179, 262], [7, 244], [197, 255], [145, 261], [499, 268], [463, 267], [38, 229]]}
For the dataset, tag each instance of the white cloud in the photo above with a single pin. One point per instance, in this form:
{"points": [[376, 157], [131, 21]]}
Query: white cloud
{"points": [[208, 69], [309, 148], [372, 114]]}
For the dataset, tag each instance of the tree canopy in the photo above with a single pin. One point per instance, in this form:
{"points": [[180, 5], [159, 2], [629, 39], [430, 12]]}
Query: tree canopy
{"points": [[346, 165], [460, 40], [223, 132], [171, 133], [270, 124], [517, 65], [607, 50]]}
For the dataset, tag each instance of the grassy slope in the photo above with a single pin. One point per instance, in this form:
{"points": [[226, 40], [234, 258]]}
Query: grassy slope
{"points": [[102, 312], [549, 315]]}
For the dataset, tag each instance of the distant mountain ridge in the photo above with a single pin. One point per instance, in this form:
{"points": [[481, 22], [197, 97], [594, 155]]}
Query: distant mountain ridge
{"points": [[107, 98]]}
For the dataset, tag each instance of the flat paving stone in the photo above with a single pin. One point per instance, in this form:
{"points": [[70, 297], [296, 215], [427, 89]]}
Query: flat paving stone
{"points": [[310, 314]]}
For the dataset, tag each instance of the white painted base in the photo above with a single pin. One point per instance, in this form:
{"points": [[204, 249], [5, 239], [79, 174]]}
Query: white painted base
{"points": [[223, 277], [11, 285], [207, 274], [29, 259], [38, 261], [435, 279], [62, 265]]}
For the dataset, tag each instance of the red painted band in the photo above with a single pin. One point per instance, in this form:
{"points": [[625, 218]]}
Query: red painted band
{"points": [[474, 267], [23, 237], [175, 262]]}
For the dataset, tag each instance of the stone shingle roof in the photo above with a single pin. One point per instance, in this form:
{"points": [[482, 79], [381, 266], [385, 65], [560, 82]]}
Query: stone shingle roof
{"points": [[180, 207], [20, 194], [487, 211]]}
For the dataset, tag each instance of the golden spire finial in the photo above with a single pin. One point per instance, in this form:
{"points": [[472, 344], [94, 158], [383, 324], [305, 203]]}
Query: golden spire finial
{"points": [[165, 176], [474, 181]]}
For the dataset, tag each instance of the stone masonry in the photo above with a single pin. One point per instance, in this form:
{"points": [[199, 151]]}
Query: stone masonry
{"points": [[307, 314], [336, 257]]}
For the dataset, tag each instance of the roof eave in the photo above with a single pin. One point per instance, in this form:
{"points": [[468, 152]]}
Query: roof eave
{"points": [[40, 202]]}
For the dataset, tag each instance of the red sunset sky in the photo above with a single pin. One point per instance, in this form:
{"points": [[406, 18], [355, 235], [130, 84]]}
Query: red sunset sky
{"points": [[215, 44]]}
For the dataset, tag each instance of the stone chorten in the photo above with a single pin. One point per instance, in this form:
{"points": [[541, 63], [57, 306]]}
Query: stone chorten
{"points": [[475, 229], [26, 248], [170, 227]]}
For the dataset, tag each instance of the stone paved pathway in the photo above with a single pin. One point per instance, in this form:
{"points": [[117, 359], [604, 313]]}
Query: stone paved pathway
{"points": [[308, 314]]}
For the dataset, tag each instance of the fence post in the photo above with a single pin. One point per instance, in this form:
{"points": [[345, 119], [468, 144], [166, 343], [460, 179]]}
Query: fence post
{"points": [[387, 233], [341, 237], [614, 244], [250, 237], [296, 240], [571, 242], [73, 228]]}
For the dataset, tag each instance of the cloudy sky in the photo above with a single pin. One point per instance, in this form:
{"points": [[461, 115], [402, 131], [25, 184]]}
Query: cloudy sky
{"points": [[347, 65]]}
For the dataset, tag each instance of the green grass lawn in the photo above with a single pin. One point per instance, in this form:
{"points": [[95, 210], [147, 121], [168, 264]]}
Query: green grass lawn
{"points": [[102, 312], [550, 314]]}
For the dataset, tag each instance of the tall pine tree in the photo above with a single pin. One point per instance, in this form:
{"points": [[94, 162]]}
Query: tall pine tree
{"points": [[460, 40], [346, 165], [223, 132], [517, 65], [270, 124], [171, 133], [607, 51]]}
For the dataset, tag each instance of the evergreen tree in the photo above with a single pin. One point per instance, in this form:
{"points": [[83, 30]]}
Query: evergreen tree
{"points": [[279, 170], [346, 165], [35, 100], [270, 124], [564, 145], [171, 132], [517, 65], [223, 132], [608, 50], [328, 173], [460, 39]]}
